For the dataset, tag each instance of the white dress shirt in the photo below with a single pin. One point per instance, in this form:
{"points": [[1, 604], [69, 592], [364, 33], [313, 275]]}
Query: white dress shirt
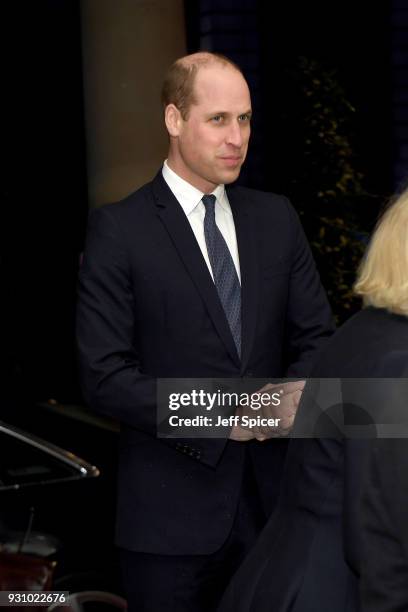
{"points": [[189, 199]]}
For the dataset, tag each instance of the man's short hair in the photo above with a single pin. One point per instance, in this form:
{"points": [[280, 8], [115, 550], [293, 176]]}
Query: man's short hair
{"points": [[178, 86]]}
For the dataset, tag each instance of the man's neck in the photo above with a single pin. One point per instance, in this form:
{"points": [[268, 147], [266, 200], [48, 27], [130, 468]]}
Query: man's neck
{"points": [[200, 184]]}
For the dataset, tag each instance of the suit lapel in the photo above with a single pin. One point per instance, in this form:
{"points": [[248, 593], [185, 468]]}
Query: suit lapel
{"points": [[182, 236], [249, 265]]}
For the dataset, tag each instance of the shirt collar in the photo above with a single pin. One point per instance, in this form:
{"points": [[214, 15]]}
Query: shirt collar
{"points": [[189, 196]]}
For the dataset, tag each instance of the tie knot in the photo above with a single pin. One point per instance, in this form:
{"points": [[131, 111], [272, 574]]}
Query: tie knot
{"points": [[209, 202]]}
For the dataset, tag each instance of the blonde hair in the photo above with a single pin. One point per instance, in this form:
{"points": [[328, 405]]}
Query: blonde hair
{"points": [[178, 86], [383, 274]]}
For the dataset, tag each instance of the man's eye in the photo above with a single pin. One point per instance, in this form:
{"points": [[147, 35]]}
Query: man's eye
{"points": [[216, 119], [244, 117]]}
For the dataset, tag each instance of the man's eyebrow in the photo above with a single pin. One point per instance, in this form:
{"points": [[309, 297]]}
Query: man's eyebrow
{"points": [[225, 113]]}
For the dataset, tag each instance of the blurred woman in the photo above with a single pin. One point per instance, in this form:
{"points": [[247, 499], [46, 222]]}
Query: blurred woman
{"points": [[328, 544]]}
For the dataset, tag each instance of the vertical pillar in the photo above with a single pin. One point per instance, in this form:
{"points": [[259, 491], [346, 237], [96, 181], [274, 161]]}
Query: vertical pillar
{"points": [[127, 47]]}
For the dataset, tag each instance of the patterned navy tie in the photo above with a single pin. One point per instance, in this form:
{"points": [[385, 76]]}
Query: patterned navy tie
{"points": [[224, 272]]}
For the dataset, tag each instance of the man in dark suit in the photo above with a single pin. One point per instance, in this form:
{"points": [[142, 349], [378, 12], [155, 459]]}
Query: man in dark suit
{"points": [[187, 278]]}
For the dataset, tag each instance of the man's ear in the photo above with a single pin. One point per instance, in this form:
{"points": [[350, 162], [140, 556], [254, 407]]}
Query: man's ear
{"points": [[173, 119]]}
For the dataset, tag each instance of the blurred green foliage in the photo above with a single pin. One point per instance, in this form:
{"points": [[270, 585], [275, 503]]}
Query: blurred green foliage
{"points": [[325, 185]]}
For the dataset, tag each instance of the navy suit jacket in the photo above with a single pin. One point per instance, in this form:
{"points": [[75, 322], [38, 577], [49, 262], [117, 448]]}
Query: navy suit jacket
{"points": [[148, 308], [309, 556]]}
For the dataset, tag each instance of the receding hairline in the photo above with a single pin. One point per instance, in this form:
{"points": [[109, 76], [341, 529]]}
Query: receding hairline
{"points": [[179, 83], [205, 59]]}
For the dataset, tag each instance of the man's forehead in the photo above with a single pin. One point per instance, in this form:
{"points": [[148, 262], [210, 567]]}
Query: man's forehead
{"points": [[217, 70], [218, 80]]}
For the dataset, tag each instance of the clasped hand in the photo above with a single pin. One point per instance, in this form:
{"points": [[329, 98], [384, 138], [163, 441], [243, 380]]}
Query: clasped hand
{"points": [[274, 419]]}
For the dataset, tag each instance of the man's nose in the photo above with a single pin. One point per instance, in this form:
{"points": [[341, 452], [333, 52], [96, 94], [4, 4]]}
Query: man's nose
{"points": [[234, 135]]}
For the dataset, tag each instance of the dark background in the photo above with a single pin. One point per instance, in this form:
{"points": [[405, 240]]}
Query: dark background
{"points": [[351, 57]]}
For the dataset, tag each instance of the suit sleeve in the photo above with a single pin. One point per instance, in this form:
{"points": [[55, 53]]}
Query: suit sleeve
{"points": [[309, 320], [111, 378]]}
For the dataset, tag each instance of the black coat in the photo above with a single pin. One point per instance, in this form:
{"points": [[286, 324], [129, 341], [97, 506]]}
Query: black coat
{"points": [[309, 556], [384, 580]]}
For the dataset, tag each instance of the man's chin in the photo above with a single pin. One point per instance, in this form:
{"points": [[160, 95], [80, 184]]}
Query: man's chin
{"points": [[229, 177]]}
